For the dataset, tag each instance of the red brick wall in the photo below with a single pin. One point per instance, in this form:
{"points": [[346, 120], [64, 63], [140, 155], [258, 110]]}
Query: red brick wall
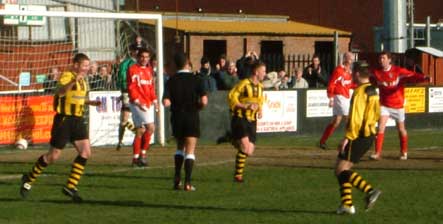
{"points": [[357, 16], [291, 45]]}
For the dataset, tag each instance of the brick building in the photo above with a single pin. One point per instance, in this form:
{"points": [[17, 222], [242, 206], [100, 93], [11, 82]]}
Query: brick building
{"points": [[356, 16], [233, 35]]}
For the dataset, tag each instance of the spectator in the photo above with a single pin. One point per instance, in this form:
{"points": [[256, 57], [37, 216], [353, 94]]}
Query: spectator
{"points": [[271, 81], [222, 64], [206, 76], [299, 81], [315, 74], [284, 84], [51, 81], [139, 43], [244, 64], [229, 77], [106, 78], [94, 79]]}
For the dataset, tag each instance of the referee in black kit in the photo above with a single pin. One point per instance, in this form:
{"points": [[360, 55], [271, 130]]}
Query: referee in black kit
{"points": [[185, 94]]}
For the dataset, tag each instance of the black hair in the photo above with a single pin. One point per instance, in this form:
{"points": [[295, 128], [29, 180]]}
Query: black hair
{"points": [[180, 60], [142, 51], [204, 60], [362, 68]]}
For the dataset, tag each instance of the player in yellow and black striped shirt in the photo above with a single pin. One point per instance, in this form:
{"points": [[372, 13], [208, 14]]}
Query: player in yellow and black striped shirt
{"points": [[68, 126], [245, 103], [363, 115]]}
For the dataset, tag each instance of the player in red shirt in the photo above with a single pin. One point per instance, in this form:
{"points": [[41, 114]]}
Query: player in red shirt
{"points": [[390, 80], [338, 94], [143, 102]]}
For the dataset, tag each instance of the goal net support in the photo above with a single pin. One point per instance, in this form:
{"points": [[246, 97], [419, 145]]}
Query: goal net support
{"points": [[33, 54]]}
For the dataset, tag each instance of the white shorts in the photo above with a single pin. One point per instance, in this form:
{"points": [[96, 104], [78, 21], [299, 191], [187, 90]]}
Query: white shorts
{"points": [[341, 105], [141, 117], [396, 114]]}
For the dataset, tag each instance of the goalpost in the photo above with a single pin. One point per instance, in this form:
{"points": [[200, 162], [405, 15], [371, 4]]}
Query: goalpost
{"points": [[29, 54]]}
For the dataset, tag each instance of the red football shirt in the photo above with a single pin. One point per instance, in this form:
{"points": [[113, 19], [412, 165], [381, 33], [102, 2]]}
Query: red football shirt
{"points": [[340, 82], [391, 84], [141, 85]]}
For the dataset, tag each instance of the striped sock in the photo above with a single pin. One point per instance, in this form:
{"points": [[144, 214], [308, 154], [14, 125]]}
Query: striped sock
{"points": [[77, 170], [345, 188], [358, 182], [240, 161], [36, 170]]}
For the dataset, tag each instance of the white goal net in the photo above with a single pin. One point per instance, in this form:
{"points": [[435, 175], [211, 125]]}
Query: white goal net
{"points": [[38, 42]]}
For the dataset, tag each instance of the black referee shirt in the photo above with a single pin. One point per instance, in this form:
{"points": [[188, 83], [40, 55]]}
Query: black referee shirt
{"points": [[184, 90]]}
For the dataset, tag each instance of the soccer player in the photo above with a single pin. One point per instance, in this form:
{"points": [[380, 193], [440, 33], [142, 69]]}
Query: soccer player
{"points": [[245, 103], [68, 126], [338, 94], [186, 95], [123, 86], [391, 82], [143, 103], [360, 131]]}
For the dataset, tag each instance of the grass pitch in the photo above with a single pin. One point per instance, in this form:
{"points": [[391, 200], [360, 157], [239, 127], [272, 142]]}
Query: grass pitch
{"points": [[288, 180]]}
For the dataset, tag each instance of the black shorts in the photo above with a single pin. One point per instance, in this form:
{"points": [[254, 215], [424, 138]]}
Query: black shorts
{"points": [[67, 129], [241, 127], [356, 148], [185, 124]]}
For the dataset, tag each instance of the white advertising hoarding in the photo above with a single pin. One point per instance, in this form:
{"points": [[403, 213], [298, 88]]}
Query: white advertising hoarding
{"points": [[104, 120], [279, 112], [435, 100], [317, 104]]}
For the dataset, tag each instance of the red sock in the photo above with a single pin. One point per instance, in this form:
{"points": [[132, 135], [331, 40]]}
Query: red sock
{"points": [[136, 146], [328, 132], [379, 143], [146, 140], [403, 143]]}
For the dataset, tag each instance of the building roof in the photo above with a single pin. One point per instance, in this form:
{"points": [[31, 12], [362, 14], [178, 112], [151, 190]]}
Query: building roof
{"points": [[248, 27], [431, 51]]}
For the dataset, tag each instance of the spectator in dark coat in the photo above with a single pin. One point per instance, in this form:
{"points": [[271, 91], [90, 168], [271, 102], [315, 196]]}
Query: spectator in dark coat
{"points": [[206, 76], [316, 76]]}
